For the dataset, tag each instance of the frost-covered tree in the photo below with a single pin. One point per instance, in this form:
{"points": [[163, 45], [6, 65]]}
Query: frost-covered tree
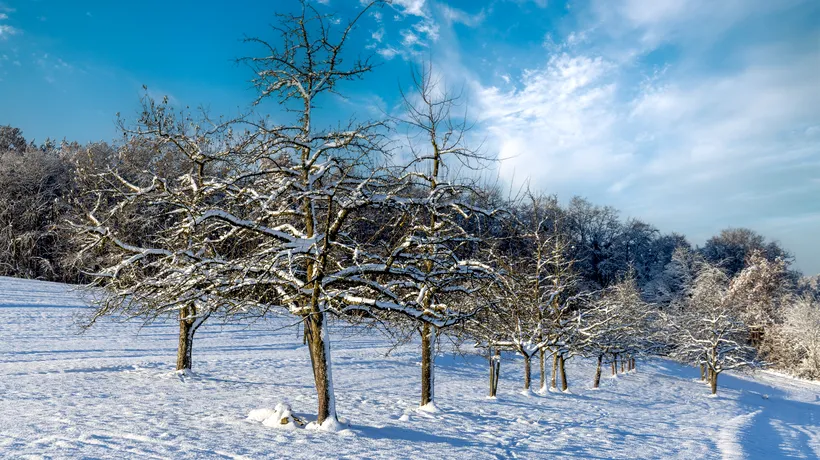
{"points": [[534, 312], [794, 344], [36, 188], [12, 140], [139, 227], [431, 265], [617, 323], [758, 291], [707, 328], [263, 218]]}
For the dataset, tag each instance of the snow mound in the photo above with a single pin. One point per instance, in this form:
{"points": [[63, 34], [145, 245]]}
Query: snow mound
{"points": [[331, 424], [279, 417], [429, 408]]}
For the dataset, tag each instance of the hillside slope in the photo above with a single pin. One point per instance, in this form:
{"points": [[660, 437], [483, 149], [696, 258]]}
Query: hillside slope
{"points": [[111, 393]]}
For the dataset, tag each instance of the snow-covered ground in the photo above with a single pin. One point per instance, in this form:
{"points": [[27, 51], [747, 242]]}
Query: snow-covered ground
{"points": [[111, 393]]}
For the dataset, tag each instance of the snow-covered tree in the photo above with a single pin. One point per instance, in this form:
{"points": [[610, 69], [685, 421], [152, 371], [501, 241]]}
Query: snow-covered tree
{"points": [[758, 291], [140, 223], [535, 309], [262, 219], [617, 323], [12, 140], [707, 327], [431, 264], [794, 343]]}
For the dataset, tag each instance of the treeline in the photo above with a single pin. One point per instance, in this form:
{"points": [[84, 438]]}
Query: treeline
{"points": [[372, 222], [40, 186]]}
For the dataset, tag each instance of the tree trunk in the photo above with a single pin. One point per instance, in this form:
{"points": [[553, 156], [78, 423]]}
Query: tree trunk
{"points": [[493, 380], [597, 380], [622, 365], [428, 343], [527, 371], [615, 364], [702, 372], [564, 383], [554, 371], [543, 380], [497, 370], [319, 347], [713, 382], [304, 334], [186, 339], [491, 359]]}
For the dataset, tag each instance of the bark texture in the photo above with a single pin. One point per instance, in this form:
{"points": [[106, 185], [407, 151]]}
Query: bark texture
{"points": [[428, 342], [189, 322], [186, 341], [597, 380], [320, 359], [527, 371], [564, 383], [495, 371]]}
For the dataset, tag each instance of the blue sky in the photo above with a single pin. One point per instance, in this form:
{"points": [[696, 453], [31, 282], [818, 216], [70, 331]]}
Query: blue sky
{"points": [[693, 115]]}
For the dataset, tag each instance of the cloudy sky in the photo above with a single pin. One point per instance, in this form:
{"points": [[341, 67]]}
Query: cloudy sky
{"points": [[693, 115]]}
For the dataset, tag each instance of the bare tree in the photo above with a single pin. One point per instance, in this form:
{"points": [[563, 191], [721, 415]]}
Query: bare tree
{"points": [[533, 311], [140, 222], [430, 266], [794, 343], [35, 195], [758, 291], [707, 328], [12, 140]]}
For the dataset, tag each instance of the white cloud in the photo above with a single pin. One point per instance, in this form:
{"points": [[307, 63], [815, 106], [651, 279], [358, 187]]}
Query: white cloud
{"points": [[454, 15], [679, 142], [661, 21], [388, 52], [559, 124], [52, 68], [6, 31], [411, 7], [427, 29]]}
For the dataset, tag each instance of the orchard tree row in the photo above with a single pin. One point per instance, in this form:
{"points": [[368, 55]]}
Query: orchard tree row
{"points": [[387, 221]]}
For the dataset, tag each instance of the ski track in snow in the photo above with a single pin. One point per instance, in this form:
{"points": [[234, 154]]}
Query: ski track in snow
{"points": [[112, 393]]}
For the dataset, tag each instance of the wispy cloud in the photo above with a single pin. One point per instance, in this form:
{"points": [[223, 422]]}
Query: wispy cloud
{"points": [[678, 140], [53, 68], [6, 30], [455, 15], [410, 7]]}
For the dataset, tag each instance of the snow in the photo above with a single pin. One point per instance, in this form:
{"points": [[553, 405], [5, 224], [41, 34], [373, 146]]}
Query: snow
{"points": [[111, 392], [281, 417]]}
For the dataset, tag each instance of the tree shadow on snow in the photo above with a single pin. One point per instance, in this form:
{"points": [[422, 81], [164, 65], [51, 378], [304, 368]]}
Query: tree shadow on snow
{"points": [[407, 434], [761, 438]]}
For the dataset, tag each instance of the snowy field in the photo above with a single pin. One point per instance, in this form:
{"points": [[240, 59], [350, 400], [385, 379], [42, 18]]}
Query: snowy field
{"points": [[111, 393]]}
